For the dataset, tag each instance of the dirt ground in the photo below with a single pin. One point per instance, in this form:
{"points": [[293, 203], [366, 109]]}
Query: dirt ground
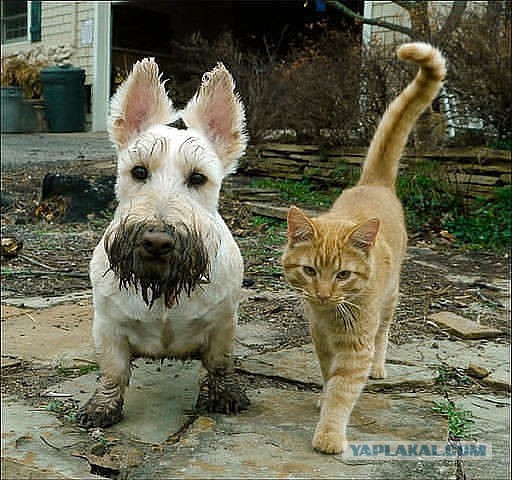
{"points": [[55, 254]]}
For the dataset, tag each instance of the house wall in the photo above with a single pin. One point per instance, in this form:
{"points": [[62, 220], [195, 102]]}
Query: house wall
{"points": [[64, 26], [61, 24], [389, 11]]}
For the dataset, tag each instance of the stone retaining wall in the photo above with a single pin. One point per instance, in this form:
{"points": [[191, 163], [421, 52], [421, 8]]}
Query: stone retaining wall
{"points": [[473, 171]]}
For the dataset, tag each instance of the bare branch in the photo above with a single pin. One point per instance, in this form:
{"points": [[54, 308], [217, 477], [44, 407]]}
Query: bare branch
{"points": [[370, 21]]}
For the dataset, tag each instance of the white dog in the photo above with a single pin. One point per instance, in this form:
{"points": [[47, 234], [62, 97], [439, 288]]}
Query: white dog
{"points": [[167, 274]]}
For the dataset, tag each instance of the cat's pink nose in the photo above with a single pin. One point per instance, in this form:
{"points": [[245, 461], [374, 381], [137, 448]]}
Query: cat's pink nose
{"points": [[323, 296]]}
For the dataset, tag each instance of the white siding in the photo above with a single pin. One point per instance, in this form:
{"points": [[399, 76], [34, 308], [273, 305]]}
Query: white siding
{"points": [[392, 13], [389, 12], [60, 26], [84, 54]]}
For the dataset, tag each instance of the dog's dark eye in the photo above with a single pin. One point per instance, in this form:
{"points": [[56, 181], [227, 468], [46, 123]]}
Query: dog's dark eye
{"points": [[197, 179], [139, 172]]}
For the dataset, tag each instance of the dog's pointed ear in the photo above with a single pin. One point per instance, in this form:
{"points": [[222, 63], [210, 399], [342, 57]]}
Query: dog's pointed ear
{"points": [[217, 111], [140, 102]]}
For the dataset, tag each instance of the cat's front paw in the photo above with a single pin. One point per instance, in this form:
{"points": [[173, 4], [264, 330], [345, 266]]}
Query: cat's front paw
{"points": [[329, 441], [378, 372]]}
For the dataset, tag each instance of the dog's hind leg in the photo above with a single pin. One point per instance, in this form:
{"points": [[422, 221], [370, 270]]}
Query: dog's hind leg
{"points": [[224, 392], [105, 407]]}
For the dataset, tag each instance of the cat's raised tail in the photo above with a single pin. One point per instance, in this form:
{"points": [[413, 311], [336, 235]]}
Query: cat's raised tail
{"points": [[381, 164]]}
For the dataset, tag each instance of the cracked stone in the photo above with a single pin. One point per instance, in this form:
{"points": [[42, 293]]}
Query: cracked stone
{"points": [[300, 364], [273, 440]]}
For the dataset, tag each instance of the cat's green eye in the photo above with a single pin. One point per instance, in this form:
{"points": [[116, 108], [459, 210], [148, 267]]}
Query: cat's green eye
{"points": [[309, 271], [343, 275]]}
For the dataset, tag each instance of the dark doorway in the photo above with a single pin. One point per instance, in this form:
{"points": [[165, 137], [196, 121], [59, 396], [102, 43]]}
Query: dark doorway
{"points": [[162, 28]]}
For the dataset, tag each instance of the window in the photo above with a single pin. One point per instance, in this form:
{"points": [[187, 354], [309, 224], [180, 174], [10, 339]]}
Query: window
{"points": [[14, 20]]}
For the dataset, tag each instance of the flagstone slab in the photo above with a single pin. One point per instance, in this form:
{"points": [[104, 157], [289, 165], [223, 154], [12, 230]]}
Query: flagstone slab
{"points": [[463, 327], [61, 334], [158, 401], [486, 355], [253, 335], [300, 364], [491, 416], [499, 379], [273, 440], [24, 453]]}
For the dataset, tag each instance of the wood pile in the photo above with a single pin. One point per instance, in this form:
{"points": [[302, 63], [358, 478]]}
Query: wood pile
{"points": [[472, 171]]}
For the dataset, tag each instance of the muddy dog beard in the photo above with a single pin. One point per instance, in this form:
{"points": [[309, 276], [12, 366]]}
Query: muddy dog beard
{"points": [[177, 264]]}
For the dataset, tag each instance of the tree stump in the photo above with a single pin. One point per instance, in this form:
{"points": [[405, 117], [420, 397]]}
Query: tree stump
{"points": [[73, 198]]}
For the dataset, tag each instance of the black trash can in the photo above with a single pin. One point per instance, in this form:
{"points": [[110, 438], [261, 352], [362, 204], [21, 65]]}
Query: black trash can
{"points": [[64, 95]]}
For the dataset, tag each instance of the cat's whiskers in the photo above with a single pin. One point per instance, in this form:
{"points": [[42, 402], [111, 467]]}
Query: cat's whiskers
{"points": [[345, 312]]}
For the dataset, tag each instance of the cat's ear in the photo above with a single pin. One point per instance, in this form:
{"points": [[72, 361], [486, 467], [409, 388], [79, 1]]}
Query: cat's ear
{"points": [[363, 236], [300, 228]]}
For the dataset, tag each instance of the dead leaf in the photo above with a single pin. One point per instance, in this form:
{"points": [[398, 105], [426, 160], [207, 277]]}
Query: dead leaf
{"points": [[477, 371], [11, 246], [446, 235], [103, 465]]}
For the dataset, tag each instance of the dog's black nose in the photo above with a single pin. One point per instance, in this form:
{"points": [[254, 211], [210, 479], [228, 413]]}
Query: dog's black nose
{"points": [[157, 243]]}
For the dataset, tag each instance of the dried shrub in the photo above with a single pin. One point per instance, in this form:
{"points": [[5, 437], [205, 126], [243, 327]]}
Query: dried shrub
{"points": [[480, 75], [382, 79], [314, 92], [19, 72]]}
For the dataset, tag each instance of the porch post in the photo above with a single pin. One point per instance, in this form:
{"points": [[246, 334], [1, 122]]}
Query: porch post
{"points": [[102, 53]]}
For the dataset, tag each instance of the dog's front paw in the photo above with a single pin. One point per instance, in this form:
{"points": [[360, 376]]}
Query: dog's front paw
{"points": [[329, 441], [98, 413], [225, 395]]}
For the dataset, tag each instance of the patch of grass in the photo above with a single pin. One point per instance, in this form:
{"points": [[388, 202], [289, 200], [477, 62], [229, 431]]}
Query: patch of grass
{"points": [[501, 144], [425, 198], [269, 233], [487, 224], [460, 421], [262, 249], [64, 408], [431, 204], [450, 376], [302, 192], [347, 174], [78, 371], [259, 221]]}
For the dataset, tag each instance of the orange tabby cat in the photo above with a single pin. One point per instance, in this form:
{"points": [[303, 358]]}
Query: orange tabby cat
{"points": [[346, 262]]}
